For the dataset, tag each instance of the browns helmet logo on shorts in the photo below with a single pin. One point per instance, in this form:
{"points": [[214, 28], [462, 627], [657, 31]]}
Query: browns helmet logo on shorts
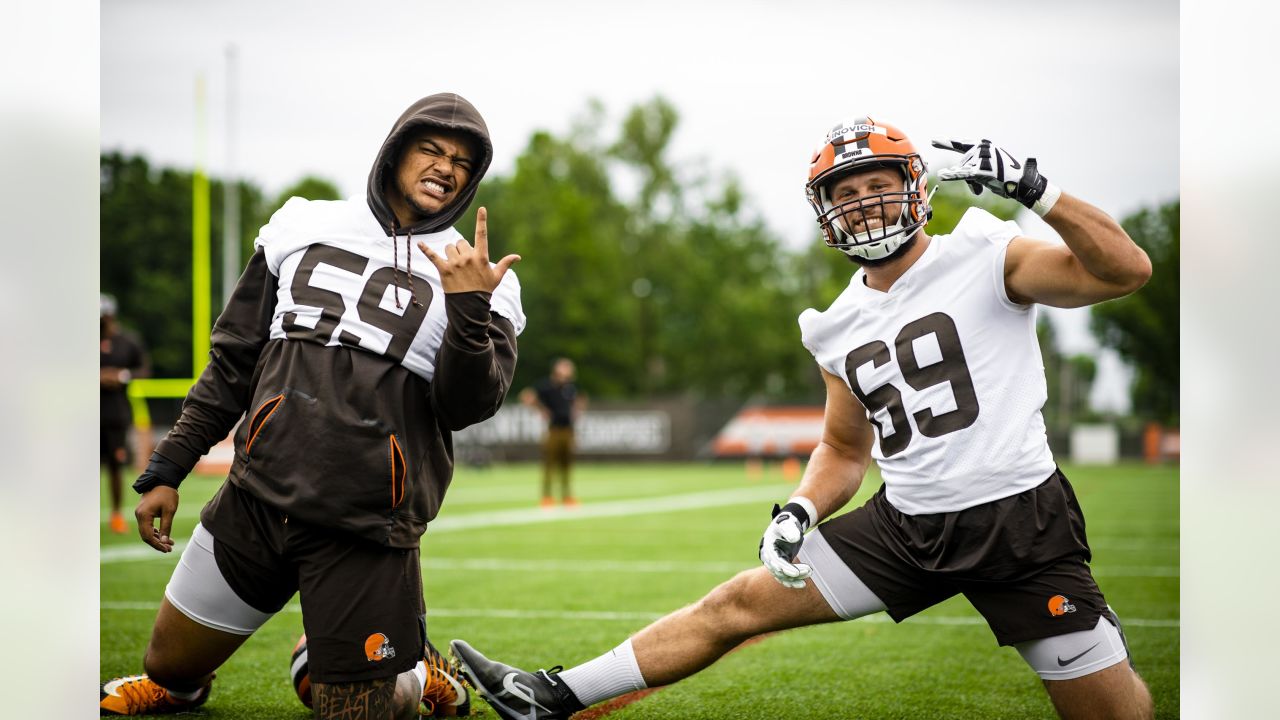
{"points": [[378, 648], [1059, 605]]}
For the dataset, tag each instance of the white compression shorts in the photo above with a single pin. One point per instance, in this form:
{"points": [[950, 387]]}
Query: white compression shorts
{"points": [[198, 590], [1066, 657], [1084, 652]]}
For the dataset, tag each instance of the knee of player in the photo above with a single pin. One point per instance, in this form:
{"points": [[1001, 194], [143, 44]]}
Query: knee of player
{"points": [[728, 606]]}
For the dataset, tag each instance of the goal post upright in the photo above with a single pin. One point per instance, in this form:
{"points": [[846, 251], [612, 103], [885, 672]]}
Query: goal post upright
{"points": [[201, 285]]}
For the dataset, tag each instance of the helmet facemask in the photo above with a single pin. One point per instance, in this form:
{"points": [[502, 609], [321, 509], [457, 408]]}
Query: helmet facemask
{"points": [[872, 243]]}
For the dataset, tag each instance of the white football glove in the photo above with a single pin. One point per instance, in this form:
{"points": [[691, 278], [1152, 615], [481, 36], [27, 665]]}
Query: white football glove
{"points": [[782, 540], [985, 165]]}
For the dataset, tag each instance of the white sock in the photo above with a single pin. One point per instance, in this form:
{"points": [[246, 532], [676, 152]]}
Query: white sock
{"points": [[420, 671], [608, 676]]}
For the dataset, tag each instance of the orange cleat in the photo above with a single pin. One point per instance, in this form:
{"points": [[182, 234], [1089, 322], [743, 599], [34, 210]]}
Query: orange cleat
{"points": [[137, 695], [118, 525], [547, 503], [445, 693], [571, 502]]}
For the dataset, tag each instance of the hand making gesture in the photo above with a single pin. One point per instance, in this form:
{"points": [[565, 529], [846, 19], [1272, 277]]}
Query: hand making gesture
{"points": [[464, 268]]}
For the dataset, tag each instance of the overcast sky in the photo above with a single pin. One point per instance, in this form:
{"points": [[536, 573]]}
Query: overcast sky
{"points": [[1089, 88]]}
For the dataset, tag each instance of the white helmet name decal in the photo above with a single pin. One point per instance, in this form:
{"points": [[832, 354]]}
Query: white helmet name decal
{"points": [[839, 134]]}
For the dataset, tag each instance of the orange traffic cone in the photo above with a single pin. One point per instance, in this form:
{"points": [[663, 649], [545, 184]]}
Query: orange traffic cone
{"points": [[791, 469]]}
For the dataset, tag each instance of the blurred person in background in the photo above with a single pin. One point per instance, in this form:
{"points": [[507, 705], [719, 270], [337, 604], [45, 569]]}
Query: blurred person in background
{"points": [[932, 370], [351, 366], [559, 402], [122, 357]]}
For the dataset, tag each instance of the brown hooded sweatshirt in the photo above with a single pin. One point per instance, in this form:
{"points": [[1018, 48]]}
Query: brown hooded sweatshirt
{"points": [[349, 389]]}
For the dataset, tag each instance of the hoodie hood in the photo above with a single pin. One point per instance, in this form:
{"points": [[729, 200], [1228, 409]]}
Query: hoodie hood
{"points": [[443, 110]]}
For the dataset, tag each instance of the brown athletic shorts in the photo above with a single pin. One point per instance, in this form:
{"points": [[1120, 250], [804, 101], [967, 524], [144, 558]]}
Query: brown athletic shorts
{"points": [[113, 445], [362, 606], [557, 448], [1022, 561]]}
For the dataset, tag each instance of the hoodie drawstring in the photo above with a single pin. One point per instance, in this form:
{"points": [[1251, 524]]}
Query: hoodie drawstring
{"points": [[408, 253], [395, 264]]}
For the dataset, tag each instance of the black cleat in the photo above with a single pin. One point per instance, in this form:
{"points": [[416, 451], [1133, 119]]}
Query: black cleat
{"points": [[513, 693]]}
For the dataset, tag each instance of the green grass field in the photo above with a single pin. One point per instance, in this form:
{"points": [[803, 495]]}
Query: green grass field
{"points": [[537, 589]]}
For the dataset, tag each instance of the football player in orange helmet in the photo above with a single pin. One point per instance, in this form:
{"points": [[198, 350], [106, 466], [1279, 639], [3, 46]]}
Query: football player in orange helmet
{"points": [[932, 371]]}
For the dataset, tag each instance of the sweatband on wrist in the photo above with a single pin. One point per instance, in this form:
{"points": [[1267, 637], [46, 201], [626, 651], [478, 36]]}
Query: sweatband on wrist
{"points": [[1047, 199], [803, 509], [160, 471]]}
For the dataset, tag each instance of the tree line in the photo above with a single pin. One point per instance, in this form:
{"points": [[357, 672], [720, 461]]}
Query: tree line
{"points": [[654, 274]]}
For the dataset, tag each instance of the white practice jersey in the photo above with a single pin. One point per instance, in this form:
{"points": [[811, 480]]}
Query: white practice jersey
{"points": [[337, 284], [948, 369]]}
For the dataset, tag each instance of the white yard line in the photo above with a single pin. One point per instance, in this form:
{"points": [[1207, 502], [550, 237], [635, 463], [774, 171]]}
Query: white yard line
{"points": [[531, 516], [661, 567], [515, 614], [615, 508], [618, 508]]}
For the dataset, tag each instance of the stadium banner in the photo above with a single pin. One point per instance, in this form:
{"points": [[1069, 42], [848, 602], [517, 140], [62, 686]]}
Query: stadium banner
{"points": [[792, 431], [598, 431], [667, 429]]}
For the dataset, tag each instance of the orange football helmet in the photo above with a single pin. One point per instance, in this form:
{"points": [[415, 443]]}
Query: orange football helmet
{"points": [[861, 145]]}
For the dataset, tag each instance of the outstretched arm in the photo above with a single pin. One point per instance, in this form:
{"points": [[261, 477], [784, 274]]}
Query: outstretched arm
{"points": [[1099, 261]]}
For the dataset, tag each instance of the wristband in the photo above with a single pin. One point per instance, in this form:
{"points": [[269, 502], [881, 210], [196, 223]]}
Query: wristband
{"points": [[160, 471], [1047, 199], [802, 508]]}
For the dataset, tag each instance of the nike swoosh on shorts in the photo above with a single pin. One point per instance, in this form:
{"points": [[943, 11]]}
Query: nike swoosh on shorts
{"points": [[1068, 661]]}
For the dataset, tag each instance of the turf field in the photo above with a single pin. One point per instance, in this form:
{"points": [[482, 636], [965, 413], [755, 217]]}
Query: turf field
{"points": [[537, 588]]}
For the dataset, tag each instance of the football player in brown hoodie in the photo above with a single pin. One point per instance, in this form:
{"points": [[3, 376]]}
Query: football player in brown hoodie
{"points": [[343, 379]]}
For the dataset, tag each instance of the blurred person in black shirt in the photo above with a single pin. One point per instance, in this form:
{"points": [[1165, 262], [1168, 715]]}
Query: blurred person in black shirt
{"points": [[558, 401], [122, 358]]}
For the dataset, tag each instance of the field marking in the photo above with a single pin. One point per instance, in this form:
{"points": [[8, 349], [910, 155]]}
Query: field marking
{"points": [[531, 516], [587, 566], [138, 551], [1132, 543], [712, 566], [478, 494], [615, 508], [597, 615], [142, 552], [1151, 571]]}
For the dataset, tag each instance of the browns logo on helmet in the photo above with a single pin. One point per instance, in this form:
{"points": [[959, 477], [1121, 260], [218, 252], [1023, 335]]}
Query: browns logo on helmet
{"points": [[378, 648], [1060, 605], [856, 146]]}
